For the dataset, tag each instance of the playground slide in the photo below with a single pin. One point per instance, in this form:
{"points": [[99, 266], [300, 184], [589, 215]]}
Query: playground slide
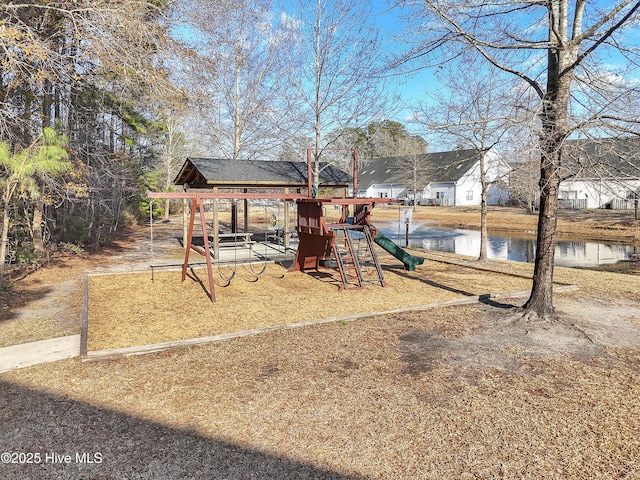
{"points": [[410, 262]]}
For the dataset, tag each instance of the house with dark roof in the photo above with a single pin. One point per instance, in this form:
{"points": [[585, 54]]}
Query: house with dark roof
{"points": [[206, 173], [601, 173], [442, 178]]}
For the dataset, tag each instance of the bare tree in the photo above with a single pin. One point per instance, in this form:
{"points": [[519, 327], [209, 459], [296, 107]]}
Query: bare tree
{"points": [[48, 48], [524, 158], [473, 111], [414, 171], [552, 47], [335, 71], [236, 76], [172, 153], [387, 138]]}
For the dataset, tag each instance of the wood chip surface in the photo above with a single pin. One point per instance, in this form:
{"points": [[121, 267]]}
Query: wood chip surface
{"points": [[141, 308]]}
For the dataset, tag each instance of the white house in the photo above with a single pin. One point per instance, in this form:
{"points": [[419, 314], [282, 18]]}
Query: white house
{"points": [[442, 178], [601, 173]]}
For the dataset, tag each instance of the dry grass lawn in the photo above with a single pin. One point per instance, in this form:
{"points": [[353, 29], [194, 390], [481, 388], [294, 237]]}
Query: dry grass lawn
{"points": [[465, 392], [457, 392]]}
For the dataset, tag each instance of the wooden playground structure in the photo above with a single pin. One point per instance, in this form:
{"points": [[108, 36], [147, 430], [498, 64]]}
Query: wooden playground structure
{"points": [[347, 244]]}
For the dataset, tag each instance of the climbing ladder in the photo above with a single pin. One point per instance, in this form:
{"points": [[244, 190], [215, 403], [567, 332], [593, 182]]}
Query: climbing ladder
{"points": [[352, 261]]}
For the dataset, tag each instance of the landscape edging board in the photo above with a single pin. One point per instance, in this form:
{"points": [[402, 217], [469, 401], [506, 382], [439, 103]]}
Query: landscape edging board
{"points": [[116, 353]]}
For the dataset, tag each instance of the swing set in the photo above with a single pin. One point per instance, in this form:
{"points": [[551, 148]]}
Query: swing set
{"points": [[235, 240], [347, 243]]}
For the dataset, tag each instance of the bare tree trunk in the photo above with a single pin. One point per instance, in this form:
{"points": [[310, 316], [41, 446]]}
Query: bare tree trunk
{"points": [[483, 212], [4, 239], [555, 129], [484, 234], [36, 226], [540, 303], [47, 103]]}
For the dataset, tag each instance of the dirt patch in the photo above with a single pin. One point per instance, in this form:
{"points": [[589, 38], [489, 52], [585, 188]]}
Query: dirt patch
{"points": [[611, 325], [501, 337]]}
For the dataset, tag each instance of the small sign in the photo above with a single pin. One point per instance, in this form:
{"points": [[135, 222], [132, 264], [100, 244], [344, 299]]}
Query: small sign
{"points": [[406, 215]]}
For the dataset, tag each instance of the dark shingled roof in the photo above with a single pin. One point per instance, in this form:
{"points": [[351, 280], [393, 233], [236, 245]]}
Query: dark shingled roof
{"points": [[602, 158], [437, 167], [225, 172]]}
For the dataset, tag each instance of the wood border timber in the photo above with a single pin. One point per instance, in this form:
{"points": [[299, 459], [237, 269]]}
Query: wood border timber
{"points": [[119, 353], [84, 329]]}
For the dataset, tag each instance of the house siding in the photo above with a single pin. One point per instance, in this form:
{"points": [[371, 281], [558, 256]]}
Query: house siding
{"points": [[607, 173], [385, 191], [600, 193], [454, 181]]}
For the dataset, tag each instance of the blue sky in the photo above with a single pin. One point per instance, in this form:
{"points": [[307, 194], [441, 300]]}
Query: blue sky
{"points": [[412, 88], [415, 88]]}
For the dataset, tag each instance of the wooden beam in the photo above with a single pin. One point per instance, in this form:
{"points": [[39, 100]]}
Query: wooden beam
{"points": [[225, 195], [286, 236], [245, 206]]}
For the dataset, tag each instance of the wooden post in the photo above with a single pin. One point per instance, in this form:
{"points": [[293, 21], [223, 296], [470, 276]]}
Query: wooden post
{"points": [[197, 204], [234, 216], [185, 219], [246, 212], [286, 236], [216, 227]]}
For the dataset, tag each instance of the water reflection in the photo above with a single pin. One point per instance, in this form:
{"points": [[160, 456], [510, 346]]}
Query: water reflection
{"points": [[519, 249]]}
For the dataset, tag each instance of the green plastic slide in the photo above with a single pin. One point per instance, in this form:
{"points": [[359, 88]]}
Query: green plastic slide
{"points": [[410, 262]]}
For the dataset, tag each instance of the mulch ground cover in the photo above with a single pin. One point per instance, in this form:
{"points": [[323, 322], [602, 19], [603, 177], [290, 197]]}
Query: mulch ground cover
{"points": [[141, 308], [463, 392]]}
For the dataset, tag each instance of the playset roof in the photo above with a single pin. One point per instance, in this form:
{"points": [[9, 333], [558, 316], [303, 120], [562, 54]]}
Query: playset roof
{"points": [[226, 173]]}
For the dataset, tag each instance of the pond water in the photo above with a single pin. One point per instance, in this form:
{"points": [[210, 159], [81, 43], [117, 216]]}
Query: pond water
{"points": [[504, 247]]}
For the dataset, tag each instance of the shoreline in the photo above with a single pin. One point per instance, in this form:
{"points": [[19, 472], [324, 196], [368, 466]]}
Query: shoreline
{"points": [[611, 226]]}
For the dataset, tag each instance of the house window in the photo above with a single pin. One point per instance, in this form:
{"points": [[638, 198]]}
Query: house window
{"points": [[470, 195], [568, 195]]}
